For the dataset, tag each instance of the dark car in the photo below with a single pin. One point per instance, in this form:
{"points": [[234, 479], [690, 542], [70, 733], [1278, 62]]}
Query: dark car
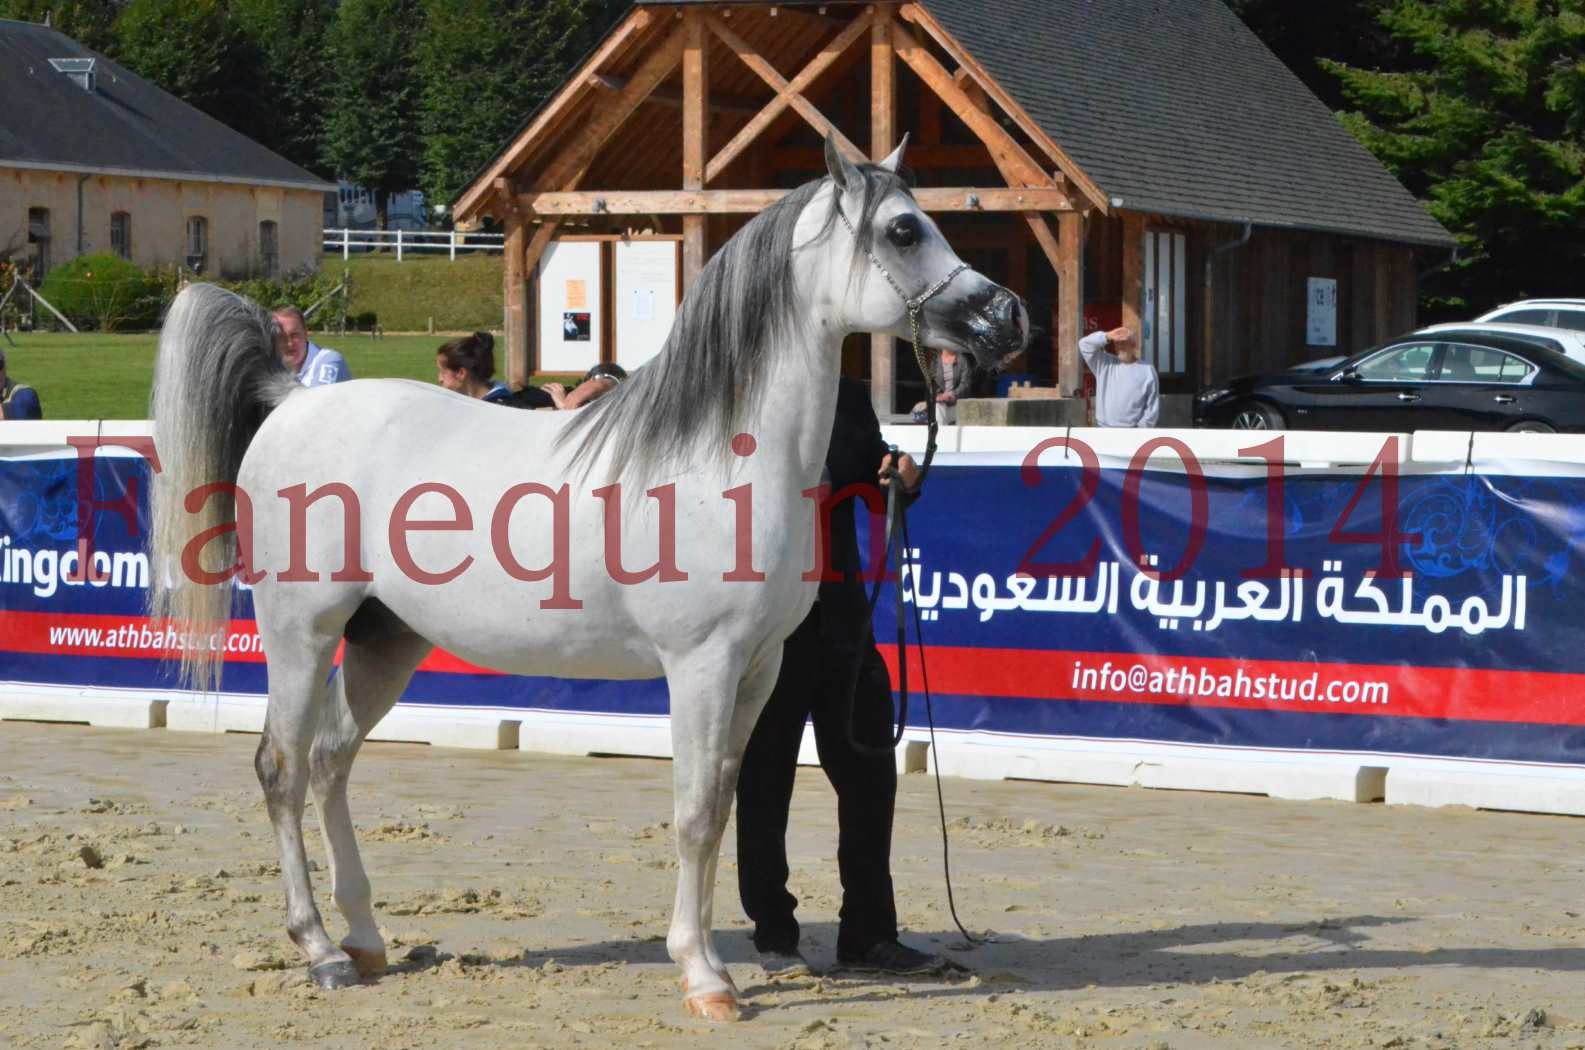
{"points": [[1442, 379]]}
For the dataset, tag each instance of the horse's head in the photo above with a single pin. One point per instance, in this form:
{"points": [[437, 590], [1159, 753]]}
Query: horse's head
{"points": [[919, 273]]}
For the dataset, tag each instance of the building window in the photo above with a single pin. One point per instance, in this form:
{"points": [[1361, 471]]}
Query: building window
{"points": [[197, 243], [121, 234], [39, 239], [1165, 316], [270, 248]]}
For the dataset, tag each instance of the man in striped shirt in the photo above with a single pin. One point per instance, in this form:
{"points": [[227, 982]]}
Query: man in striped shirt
{"points": [[314, 365]]}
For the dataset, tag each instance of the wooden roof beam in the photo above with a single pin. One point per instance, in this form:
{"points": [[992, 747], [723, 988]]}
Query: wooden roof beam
{"points": [[784, 96], [506, 193], [1015, 164], [664, 96], [922, 18], [919, 157], [469, 202], [567, 169], [743, 202], [751, 57]]}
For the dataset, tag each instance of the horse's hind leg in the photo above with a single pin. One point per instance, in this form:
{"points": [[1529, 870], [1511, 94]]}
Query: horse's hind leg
{"points": [[379, 660], [299, 665]]}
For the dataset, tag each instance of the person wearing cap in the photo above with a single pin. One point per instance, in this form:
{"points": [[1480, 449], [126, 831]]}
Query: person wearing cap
{"points": [[17, 400]]}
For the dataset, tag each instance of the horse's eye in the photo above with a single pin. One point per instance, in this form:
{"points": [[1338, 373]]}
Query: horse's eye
{"points": [[903, 231]]}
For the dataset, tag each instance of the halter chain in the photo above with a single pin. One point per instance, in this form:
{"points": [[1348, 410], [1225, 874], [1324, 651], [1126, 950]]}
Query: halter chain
{"points": [[915, 305]]}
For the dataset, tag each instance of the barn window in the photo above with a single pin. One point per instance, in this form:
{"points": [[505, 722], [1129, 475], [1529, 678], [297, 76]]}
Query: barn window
{"points": [[197, 243], [39, 238], [1165, 318], [121, 234], [269, 248]]}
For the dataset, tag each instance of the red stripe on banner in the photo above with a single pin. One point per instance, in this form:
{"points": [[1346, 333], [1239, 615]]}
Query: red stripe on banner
{"points": [[130, 637], [1460, 693]]}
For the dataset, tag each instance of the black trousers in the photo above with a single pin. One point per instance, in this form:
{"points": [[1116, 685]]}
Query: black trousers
{"points": [[813, 683]]}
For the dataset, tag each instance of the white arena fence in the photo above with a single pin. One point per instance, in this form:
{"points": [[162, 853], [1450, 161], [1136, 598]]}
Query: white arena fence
{"points": [[1349, 616], [407, 242]]}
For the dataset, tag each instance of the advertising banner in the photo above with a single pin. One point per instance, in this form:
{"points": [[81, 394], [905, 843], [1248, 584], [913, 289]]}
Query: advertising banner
{"points": [[1198, 609], [1425, 614]]}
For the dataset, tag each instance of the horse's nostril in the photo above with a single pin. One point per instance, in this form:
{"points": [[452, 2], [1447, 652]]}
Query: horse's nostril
{"points": [[1005, 307]]}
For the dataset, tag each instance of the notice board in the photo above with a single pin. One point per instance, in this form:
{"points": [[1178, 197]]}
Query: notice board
{"points": [[571, 325], [646, 298]]}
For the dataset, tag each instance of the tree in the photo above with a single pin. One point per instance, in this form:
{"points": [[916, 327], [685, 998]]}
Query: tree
{"points": [[1303, 33], [89, 22], [372, 128], [1484, 123], [486, 65], [291, 39], [192, 49]]}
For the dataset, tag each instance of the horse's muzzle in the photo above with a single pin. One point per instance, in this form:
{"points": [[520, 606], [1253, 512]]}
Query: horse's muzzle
{"points": [[1003, 329]]}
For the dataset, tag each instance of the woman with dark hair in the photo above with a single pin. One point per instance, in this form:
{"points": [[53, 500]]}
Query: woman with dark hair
{"points": [[467, 366]]}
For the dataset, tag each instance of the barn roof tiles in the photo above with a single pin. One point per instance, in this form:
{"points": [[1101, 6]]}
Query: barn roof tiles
{"points": [[122, 125]]}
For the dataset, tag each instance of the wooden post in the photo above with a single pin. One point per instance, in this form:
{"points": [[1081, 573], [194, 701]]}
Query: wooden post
{"points": [[883, 133], [695, 121], [515, 291], [1070, 311], [1133, 273]]}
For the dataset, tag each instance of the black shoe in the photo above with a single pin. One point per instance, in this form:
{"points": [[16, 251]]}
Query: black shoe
{"points": [[784, 964], [896, 958]]}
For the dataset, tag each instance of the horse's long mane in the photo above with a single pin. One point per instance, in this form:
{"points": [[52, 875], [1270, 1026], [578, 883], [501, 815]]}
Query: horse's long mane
{"points": [[709, 377]]}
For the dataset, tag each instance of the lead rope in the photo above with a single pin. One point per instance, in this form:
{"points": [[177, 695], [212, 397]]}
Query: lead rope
{"points": [[897, 519]]}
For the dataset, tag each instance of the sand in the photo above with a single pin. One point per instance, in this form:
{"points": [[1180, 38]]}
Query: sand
{"points": [[525, 901]]}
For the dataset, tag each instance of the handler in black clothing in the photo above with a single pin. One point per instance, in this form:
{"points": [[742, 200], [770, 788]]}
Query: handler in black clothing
{"points": [[817, 664]]}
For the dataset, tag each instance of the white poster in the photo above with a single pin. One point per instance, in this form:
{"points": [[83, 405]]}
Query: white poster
{"points": [[570, 324], [1321, 326], [646, 291]]}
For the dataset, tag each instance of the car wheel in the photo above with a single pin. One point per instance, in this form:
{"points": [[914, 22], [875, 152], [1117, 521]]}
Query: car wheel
{"points": [[1532, 426], [1257, 417]]}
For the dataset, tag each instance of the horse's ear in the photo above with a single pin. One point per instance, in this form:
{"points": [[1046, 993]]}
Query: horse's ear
{"points": [[895, 161], [843, 173]]}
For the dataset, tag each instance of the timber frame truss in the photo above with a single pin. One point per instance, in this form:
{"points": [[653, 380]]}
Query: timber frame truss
{"points": [[537, 182]]}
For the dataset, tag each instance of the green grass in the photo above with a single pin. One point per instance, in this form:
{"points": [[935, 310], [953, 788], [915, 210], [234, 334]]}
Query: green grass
{"points": [[94, 376], [405, 296]]}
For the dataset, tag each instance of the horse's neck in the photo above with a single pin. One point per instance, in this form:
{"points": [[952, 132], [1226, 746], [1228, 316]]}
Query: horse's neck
{"points": [[799, 403]]}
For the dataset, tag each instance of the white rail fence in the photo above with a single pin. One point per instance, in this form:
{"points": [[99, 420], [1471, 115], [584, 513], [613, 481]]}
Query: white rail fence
{"points": [[427, 242]]}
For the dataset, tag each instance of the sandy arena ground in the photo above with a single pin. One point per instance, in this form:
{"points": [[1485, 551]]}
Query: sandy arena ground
{"points": [[525, 899]]}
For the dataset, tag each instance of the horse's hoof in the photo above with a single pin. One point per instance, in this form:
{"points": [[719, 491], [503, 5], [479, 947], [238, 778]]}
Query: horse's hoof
{"points": [[726, 975], [369, 961], [717, 1007], [339, 973]]}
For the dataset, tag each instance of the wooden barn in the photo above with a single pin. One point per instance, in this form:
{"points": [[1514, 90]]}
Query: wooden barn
{"points": [[1114, 161]]}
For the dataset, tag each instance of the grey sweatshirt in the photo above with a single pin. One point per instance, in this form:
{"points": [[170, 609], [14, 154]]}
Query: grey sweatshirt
{"points": [[1126, 393]]}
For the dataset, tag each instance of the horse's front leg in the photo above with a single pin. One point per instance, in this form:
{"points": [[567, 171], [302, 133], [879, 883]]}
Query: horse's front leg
{"points": [[753, 694], [706, 724]]}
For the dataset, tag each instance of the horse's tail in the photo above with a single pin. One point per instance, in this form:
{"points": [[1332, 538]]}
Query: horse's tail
{"points": [[217, 374]]}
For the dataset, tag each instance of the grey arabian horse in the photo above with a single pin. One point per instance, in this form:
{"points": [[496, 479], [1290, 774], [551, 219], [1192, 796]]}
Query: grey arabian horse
{"points": [[395, 517]]}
